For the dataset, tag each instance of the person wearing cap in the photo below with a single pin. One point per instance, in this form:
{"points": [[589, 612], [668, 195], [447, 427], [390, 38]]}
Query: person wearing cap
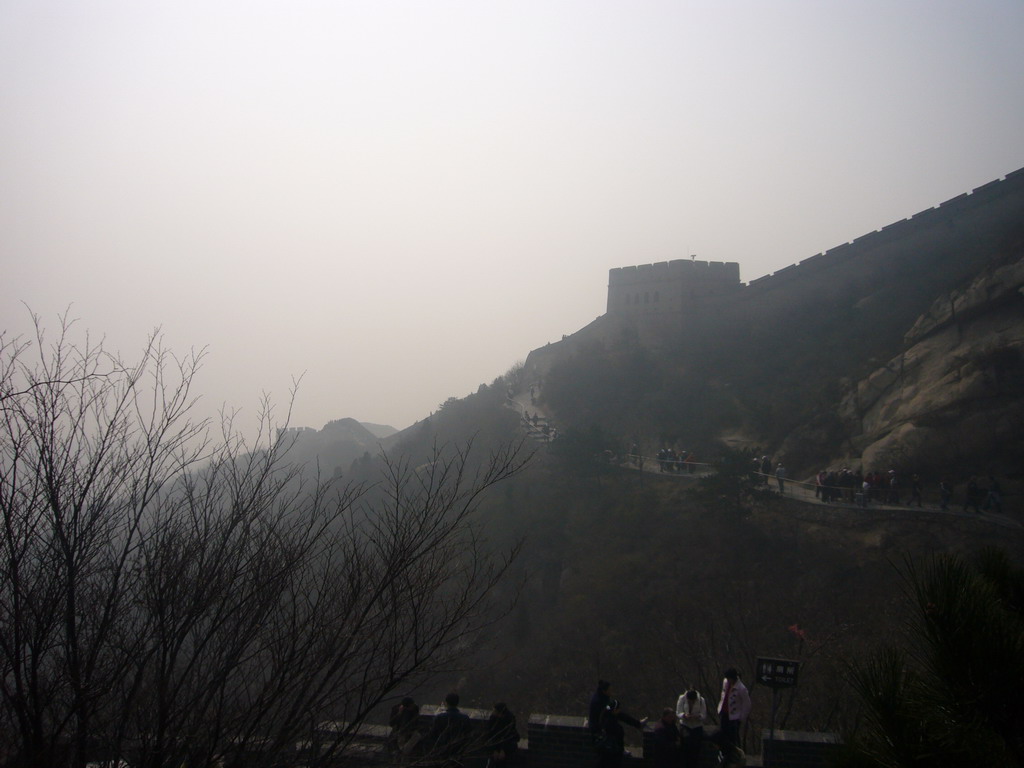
{"points": [[894, 487]]}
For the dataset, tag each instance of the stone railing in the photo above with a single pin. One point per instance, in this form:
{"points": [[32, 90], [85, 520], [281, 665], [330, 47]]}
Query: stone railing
{"points": [[563, 741]]}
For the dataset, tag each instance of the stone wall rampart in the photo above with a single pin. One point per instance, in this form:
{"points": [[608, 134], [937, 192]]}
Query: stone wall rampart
{"points": [[932, 251], [987, 212], [667, 286], [564, 741], [799, 749], [989, 209]]}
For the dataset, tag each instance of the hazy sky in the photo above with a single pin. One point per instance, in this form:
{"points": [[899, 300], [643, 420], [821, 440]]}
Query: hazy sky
{"points": [[402, 199]]}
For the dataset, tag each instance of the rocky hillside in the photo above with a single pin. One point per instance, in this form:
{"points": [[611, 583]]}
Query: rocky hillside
{"points": [[954, 397], [917, 367], [656, 582]]}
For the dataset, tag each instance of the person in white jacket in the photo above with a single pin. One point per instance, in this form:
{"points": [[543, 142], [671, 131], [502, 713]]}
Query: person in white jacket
{"points": [[733, 708], [692, 711]]}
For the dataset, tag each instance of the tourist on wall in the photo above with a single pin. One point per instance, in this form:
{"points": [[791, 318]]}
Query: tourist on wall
{"points": [[692, 711], [666, 740], [945, 494], [502, 736], [450, 731], [780, 476], [605, 719], [894, 487], [403, 721], [865, 493], [733, 708]]}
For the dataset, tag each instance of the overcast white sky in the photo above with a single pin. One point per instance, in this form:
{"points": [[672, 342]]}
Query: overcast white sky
{"points": [[402, 199]]}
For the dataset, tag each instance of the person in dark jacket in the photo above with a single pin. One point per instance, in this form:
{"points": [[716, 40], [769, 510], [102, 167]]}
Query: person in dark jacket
{"points": [[403, 721], [502, 736], [605, 722], [450, 731], [598, 702], [667, 740]]}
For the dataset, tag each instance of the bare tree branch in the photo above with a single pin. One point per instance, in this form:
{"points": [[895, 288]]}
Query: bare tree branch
{"points": [[172, 599]]}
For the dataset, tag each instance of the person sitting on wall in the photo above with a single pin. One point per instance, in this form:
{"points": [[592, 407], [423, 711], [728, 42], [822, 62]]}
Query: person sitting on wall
{"points": [[403, 721], [666, 740], [450, 731], [502, 736]]}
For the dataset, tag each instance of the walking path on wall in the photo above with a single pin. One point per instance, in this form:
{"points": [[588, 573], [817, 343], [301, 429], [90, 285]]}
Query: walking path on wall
{"points": [[538, 426], [534, 420], [806, 492]]}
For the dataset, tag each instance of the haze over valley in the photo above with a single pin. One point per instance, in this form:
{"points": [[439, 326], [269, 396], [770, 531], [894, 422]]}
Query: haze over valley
{"points": [[397, 201], [502, 348]]}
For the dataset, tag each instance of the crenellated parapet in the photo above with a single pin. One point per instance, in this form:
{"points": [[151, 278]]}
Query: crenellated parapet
{"points": [[952, 239], [990, 212], [668, 286]]}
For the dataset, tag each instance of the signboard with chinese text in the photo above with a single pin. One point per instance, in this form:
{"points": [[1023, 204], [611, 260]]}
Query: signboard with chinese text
{"points": [[777, 673]]}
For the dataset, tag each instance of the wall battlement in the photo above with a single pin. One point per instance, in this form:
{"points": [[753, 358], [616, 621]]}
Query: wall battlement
{"points": [[1003, 197], [668, 286], [683, 267], [955, 236]]}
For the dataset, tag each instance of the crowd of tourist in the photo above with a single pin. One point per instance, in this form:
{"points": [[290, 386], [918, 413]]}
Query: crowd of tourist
{"points": [[845, 485], [670, 460], [450, 734], [677, 738]]}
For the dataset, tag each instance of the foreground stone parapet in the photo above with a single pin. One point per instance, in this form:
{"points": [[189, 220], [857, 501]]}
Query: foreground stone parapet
{"points": [[799, 749], [559, 741]]}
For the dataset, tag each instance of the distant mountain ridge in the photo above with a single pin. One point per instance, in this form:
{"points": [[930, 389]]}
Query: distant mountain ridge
{"points": [[339, 443], [379, 430]]}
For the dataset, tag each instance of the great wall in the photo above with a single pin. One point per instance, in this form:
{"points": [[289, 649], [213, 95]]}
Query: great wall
{"points": [[937, 248]]}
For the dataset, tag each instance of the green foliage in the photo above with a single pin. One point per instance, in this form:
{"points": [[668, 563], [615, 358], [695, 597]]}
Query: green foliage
{"points": [[734, 486], [582, 451], [630, 391], [953, 696]]}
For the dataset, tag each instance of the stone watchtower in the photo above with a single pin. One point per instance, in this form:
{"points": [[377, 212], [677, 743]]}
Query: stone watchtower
{"points": [[668, 287]]}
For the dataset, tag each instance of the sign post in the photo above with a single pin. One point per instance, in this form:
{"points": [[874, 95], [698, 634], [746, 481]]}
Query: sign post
{"points": [[776, 674]]}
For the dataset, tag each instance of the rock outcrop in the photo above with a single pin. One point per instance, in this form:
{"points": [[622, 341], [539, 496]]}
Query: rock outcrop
{"points": [[956, 390]]}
